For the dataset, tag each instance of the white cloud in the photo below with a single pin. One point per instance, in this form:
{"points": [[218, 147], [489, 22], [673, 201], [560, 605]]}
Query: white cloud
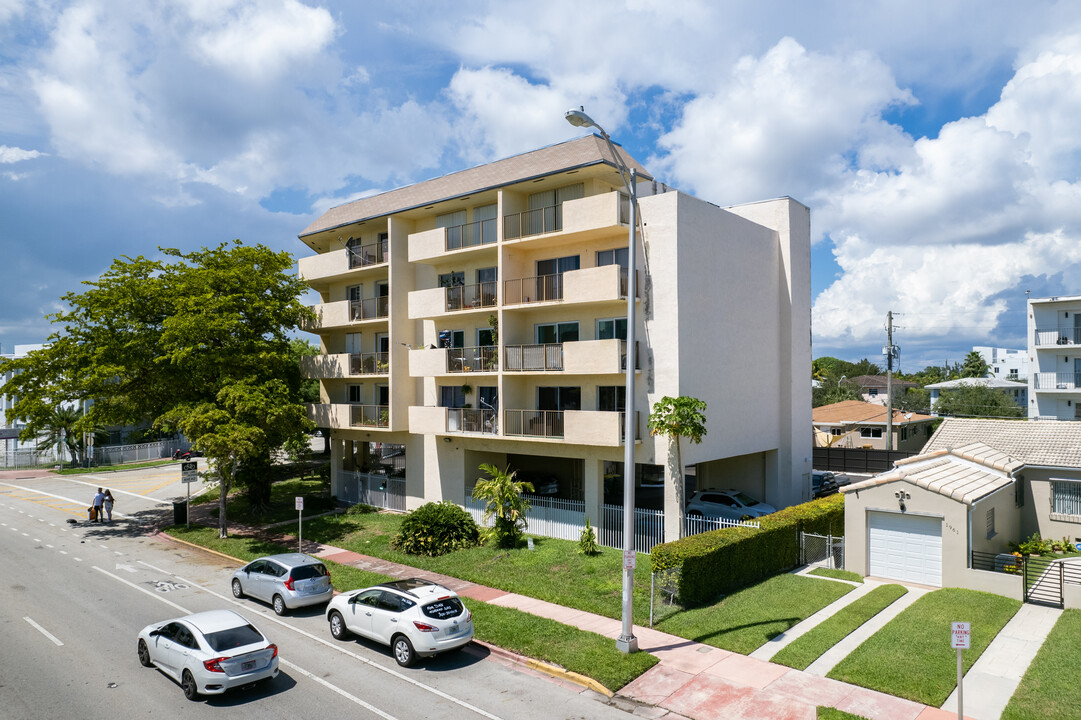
{"points": [[13, 154]]}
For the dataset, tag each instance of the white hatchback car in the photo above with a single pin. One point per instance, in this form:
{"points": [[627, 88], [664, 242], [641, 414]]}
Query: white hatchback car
{"points": [[727, 504], [414, 617], [209, 652]]}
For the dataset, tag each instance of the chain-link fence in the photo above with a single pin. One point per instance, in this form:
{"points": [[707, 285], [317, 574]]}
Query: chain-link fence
{"points": [[663, 594], [826, 550]]}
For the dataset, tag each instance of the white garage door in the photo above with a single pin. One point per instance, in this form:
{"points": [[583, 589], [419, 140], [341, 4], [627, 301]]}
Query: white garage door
{"points": [[905, 547]]}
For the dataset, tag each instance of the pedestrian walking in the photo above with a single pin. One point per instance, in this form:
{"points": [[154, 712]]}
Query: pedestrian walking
{"points": [[107, 503], [97, 506]]}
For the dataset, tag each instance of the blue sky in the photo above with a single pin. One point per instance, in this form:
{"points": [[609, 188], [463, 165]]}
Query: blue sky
{"points": [[937, 144]]}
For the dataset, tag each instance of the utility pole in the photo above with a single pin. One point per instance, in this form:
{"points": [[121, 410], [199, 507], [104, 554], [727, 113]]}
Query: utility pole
{"points": [[889, 351]]}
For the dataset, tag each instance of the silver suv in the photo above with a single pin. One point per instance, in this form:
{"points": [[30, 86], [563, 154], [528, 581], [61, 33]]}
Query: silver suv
{"points": [[285, 581]]}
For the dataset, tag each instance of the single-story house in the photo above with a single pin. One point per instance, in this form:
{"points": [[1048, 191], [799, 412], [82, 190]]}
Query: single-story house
{"points": [[1016, 391], [978, 486], [855, 424], [873, 387]]}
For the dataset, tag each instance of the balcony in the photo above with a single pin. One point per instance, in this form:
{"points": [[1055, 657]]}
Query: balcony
{"points": [[582, 357], [435, 302], [344, 365], [1058, 336], [344, 313], [444, 421], [341, 416], [325, 268], [451, 361], [1070, 381], [596, 284], [577, 427], [430, 244]]}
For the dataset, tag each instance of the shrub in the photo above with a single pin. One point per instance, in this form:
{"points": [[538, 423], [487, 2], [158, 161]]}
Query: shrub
{"points": [[436, 528], [587, 542], [721, 561]]}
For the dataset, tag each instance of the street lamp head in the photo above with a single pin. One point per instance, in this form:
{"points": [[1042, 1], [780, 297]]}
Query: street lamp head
{"points": [[578, 118]]}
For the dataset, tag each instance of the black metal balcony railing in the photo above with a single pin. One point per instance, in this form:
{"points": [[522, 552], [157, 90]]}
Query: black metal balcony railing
{"points": [[365, 255], [542, 288], [533, 358], [1057, 381], [1058, 336], [477, 420], [483, 358], [369, 308], [369, 416], [369, 363], [468, 297], [533, 222], [481, 232], [533, 423]]}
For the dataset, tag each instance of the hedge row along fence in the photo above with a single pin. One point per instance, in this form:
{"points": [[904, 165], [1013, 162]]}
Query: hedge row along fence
{"points": [[721, 561]]}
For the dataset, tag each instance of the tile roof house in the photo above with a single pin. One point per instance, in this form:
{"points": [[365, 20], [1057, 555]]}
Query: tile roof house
{"points": [[947, 517], [873, 387], [855, 424]]}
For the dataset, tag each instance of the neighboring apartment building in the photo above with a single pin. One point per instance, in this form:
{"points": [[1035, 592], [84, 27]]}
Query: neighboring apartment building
{"points": [[480, 317], [1016, 391], [9, 432], [1054, 351], [1005, 363]]}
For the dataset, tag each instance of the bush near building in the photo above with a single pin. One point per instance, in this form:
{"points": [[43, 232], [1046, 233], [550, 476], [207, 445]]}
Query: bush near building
{"points": [[719, 562]]}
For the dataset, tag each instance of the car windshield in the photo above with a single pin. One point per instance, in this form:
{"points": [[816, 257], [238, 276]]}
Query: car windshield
{"points": [[745, 499], [443, 609], [306, 572], [233, 638]]}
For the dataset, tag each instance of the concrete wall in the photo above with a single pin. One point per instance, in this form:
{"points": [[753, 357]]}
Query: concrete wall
{"points": [[1036, 514]]}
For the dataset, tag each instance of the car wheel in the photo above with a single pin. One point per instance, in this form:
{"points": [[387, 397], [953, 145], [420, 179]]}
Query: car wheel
{"points": [[238, 592], [404, 653], [144, 655], [337, 626], [187, 683], [279, 605]]}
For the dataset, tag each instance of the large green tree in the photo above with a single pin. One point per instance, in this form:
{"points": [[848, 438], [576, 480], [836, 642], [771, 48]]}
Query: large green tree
{"points": [[974, 366], [977, 401], [675, 418], [197, 342]]}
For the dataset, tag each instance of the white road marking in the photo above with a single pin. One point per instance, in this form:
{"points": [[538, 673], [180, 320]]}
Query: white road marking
{"points": [[125, 567], [63, 552], [44, 632], [73, 500], [101, 482], [143, 590]]}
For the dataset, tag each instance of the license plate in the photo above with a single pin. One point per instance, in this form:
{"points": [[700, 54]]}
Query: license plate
{"points": [[453, 629], [247, 665]]}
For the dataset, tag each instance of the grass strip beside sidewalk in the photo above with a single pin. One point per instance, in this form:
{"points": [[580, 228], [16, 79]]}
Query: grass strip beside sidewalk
{"points": [[1050, 688], [807, 648], [579, 651], [911, 656]]}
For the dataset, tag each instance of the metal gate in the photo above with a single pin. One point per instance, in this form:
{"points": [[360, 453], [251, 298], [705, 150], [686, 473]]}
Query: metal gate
{"points": [[1045, 579], [827, 550]]}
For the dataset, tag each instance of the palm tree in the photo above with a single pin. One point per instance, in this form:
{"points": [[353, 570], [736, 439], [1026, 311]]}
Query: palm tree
{"points": [[59, 428], [502, 496]]}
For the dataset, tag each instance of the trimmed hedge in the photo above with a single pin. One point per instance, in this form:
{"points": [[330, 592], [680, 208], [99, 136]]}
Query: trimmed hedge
{"points": [[718, 562]]}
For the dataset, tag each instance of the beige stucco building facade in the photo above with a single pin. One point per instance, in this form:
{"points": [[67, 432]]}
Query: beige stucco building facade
{"points": [[481, 317]]}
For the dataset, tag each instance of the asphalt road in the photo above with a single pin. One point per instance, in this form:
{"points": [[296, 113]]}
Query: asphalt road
{"points": [[74, 596]]}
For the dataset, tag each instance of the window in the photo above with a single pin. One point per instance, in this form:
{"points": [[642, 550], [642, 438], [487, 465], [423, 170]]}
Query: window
{"points": [[610, 328], [1066, 497], [451, 338], [873, 392], [558, 266], [352, 343], [486, 275], [559, 398], [990, 523], [618, 256], [356, 394], [551, 333], [451, 396], [836, 432], [355, 293], [612, 398], [452, 279], [870, 432]]}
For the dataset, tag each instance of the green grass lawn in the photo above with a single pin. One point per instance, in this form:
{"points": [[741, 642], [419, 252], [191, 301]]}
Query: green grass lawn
{"points": [[1050, 688], [282, 503], [115, 468], [745, 620], [807, 648], [582, 652], [837, 574], [828, 713], [911, 656]]}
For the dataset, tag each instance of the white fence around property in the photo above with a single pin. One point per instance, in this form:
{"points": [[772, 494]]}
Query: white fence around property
{"points": [[375, 489], [103, 455]]}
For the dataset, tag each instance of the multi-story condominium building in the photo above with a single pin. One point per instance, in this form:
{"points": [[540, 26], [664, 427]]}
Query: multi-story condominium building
{"points": [[480, 317], [1054, 354], [9, 431], [1005, 363]]}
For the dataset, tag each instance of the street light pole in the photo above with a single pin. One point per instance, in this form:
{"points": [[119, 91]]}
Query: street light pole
{"points": [[627, 642]]}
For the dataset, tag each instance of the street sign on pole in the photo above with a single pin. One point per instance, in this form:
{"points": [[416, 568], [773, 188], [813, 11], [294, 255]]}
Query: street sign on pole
{"points": [[630, 559], [961, 639], [300, 523], [189, 472]]}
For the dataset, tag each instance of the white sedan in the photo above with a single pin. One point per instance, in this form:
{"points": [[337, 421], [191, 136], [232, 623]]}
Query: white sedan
{"points": [[208, 652], [414, 617]]}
